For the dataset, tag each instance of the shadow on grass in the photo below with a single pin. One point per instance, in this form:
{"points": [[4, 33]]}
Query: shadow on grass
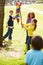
{"points": [[7, 44]]}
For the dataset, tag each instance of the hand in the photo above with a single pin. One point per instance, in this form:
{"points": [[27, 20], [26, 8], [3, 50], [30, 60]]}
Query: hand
{"points": [[22, 25], [13, 18], [13, 27], [6, 26]]}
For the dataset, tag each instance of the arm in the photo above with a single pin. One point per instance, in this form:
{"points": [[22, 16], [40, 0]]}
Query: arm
{"points": [[20, 3], [22, 24], [7, 25], [26, 28], [26, 24], [29, 28]]}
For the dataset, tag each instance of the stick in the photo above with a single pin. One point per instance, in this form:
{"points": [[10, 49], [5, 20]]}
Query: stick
{"points": [[21, 16]]}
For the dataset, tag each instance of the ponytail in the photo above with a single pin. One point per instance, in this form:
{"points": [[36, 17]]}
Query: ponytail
{"points": [[35, 21], [35, 27]]}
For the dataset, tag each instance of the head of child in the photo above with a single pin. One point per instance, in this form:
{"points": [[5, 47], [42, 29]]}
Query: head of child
{"points": [[37, 43], [11, 12], [31, 15], [34, 23]]}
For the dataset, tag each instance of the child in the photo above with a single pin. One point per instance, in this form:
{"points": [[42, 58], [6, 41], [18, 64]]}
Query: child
{"points": [[30, 16], [18, 13], [10, 26], [35, 55], [30, 28]]}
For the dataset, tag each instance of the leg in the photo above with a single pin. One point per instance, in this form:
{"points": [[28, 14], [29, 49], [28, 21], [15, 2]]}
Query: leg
{"points": [[10, 34], [28, 47], [26, 37], [17, 17], [6, 35], [28, 43], [18, 20]]}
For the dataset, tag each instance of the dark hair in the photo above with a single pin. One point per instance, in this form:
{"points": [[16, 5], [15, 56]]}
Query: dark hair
{"points": [[35, 21], [32, 13], [37, 43], [42, 43]]}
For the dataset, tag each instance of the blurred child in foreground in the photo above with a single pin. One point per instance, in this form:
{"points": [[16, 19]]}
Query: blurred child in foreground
{"points": [[35, 55]]}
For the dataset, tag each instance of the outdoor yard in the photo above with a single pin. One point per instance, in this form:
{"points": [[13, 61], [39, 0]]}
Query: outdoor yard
{"points": [[14, 53]]}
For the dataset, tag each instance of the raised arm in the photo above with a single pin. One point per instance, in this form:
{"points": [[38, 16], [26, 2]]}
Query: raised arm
{"points": [[26, 25]]}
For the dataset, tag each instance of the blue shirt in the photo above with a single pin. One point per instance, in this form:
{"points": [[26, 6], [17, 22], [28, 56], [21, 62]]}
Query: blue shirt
{"points": [[34, 57]]}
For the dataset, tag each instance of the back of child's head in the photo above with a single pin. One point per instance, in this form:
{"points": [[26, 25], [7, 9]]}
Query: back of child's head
{"points": [[42, 44], [35, 21], [33, 15], [37, 43]]}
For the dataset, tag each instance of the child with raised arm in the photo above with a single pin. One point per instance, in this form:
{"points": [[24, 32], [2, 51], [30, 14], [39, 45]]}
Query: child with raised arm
{"points": [[10, 26], [35, 55], [30, 28], [31, 15]]}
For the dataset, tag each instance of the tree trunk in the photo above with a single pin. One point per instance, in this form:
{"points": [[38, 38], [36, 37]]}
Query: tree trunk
{"points": [[2, 2]]}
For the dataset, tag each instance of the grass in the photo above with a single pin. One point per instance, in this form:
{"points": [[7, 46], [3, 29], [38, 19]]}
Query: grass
{"points": [[11, 61], [19, 34], [37, 6]]}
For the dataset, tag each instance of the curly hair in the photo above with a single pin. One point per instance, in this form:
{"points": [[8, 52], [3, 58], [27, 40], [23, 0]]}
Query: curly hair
{"points": [[31, 13]]}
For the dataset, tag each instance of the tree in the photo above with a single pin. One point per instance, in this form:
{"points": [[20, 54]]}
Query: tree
{"points": [[2, 3]]}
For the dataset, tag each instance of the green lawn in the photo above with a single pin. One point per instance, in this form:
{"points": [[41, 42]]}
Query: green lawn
{"points": [[11, 61], [19, 34], [37, 6]]}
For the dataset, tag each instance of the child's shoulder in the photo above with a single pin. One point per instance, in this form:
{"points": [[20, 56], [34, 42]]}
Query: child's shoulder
{"points": [[41, 52], [10, 16], [35, 51], [30, 51]]}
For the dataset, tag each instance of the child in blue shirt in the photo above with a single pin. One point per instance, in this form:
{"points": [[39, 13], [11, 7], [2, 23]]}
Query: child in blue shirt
{"points": [[35, 56]]}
